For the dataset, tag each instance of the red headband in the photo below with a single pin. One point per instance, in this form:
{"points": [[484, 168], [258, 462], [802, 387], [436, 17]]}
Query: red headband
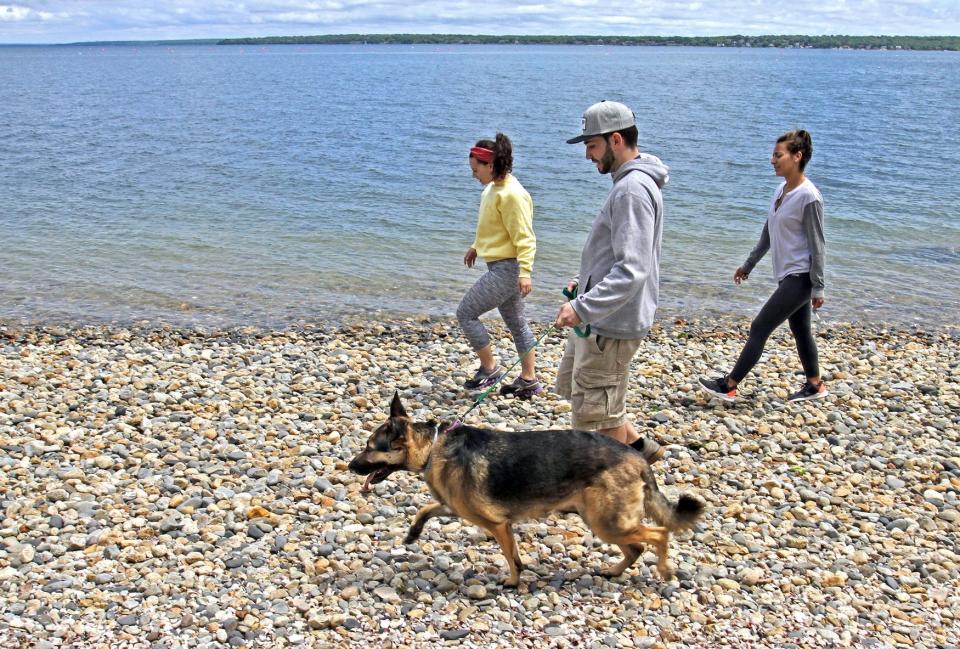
{"points": [[482, 154]]}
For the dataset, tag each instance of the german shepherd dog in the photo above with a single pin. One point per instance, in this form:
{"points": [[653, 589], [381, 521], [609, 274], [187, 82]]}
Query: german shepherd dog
{"points": [[494, 479]]}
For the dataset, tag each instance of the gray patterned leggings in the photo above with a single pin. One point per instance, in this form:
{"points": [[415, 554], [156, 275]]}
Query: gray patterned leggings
{"points": [[496, 288]]}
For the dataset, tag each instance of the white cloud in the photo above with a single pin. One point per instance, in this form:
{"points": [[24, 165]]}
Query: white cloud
{"points": [[73, 20], [15, 13]]}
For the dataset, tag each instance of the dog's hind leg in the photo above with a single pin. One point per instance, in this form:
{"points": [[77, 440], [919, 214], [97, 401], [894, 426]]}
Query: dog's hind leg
{"points": [[631, 552], [658, 537], [508, 544], [426, 513]]}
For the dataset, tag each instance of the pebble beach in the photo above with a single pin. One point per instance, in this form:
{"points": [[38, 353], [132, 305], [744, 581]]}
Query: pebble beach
{"points": [[181, 487]]}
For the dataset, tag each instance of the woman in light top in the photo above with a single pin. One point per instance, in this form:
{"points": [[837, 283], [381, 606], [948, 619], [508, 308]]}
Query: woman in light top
{"points": [[794, 235], [505, 241]]}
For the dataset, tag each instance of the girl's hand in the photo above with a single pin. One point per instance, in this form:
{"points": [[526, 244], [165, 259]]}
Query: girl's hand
{"points": [[470, 257], [525, 285], [740, 275]]}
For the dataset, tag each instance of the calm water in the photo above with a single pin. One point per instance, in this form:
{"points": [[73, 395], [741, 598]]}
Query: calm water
{"points": [[229, 185]]}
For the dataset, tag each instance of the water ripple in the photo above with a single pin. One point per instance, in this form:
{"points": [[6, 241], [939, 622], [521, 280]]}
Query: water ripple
{"points": [[266, 185]]}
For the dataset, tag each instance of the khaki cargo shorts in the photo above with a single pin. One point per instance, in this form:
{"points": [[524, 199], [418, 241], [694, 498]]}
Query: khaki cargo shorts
{"points": [[593, 376]]}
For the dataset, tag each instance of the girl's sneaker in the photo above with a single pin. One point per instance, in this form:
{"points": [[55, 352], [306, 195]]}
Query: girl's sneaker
{"points": [[484, 378], [809, 391], [521, 388], [718, 388]]}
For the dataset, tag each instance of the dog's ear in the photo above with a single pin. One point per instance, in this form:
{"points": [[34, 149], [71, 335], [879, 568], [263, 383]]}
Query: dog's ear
{"points": [[396, 408]]}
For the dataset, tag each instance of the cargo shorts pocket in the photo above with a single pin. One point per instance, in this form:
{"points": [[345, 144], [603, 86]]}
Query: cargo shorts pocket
{"points": [[597, 395]]}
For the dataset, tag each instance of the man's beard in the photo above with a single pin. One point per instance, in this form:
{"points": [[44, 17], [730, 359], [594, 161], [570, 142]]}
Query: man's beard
{"points": [[607, 161]]}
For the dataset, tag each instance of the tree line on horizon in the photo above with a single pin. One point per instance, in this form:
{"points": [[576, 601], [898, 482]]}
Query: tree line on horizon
{"points": [[800, 41]]}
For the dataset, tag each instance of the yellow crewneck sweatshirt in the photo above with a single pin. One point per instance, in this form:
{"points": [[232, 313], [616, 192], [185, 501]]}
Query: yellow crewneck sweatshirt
{"points": [[505, 225]]}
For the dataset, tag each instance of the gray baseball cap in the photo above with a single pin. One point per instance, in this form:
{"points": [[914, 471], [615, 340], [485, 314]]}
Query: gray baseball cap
{"points": [[604, 117]]}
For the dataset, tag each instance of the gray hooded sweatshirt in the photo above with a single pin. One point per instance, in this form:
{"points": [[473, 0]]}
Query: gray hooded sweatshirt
{"points": [[619, 280]]}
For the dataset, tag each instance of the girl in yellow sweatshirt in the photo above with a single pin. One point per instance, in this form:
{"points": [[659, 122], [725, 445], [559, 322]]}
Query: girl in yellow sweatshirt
{"points": [[505, 241]]}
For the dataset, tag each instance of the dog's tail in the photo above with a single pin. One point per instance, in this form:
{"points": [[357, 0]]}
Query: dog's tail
{"points": [[678, 516]]}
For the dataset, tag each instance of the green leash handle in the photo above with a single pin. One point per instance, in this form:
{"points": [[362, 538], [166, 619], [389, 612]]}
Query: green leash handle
{"points": [[570, 295]]}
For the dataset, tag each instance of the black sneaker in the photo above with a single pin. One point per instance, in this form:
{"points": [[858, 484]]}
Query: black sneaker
{"points": [[652, 452], [718, 387], [484, 378], [521, 388], [809, 392]]}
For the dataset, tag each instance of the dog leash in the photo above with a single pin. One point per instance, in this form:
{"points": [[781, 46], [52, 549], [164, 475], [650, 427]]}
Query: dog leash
{"points": [[483, 395], [582, 333]]}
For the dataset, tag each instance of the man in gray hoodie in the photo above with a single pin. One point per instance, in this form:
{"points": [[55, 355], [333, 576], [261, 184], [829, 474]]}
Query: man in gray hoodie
{"points": [[616, 290]]}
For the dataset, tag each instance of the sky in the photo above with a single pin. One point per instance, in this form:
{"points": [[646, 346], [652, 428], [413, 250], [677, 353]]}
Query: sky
{"points": [[65, 21]]}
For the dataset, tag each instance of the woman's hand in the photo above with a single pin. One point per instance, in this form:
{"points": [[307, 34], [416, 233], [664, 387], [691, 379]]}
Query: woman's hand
{"points": [[740, 275], [816, 302], [470, 257], [525, 285]]}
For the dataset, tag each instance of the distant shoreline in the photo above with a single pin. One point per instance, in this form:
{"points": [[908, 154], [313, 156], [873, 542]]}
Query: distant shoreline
{"points": [[783, 41], [795, 41]]}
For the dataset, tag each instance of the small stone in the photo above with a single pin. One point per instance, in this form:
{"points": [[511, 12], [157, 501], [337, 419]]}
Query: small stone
{"points": [[476, 591], [751, 576], [26, 553], [831, 579], [386, 593]]}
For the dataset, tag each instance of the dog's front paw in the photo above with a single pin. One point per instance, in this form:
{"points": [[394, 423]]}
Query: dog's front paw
{"points": [[510, 582], [411, 537]]}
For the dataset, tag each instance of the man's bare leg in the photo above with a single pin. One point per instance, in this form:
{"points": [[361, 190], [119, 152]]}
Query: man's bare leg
{"points": [[627, 434]]}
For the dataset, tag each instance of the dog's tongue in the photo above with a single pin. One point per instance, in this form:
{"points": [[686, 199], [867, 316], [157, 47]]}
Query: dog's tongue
{"points": [[366, 483]]}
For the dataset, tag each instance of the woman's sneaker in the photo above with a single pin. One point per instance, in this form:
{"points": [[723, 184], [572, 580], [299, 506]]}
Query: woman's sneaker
{"points": [[484, 378], [521, 388], [809, 391], [718, 388]]}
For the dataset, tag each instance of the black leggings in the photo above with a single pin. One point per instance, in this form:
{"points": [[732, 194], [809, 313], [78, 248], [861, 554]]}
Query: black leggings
{"points": [[791, 301]]}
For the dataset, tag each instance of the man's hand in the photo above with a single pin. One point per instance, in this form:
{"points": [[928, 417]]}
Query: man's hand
{"points": [[816, 302], [740, 275], [571, 287], [567, 317], [525, 285], [470, 257]]}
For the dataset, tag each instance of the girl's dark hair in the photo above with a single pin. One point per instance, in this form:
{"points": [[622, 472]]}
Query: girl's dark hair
{"points": [[502, 155], [798, 142]]}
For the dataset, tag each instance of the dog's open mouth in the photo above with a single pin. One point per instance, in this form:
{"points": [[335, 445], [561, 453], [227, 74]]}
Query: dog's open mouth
{"points": [[379, 475]]}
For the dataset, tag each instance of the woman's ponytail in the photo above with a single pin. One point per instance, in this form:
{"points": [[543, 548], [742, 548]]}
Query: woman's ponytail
{"points": [[502, 157]]}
